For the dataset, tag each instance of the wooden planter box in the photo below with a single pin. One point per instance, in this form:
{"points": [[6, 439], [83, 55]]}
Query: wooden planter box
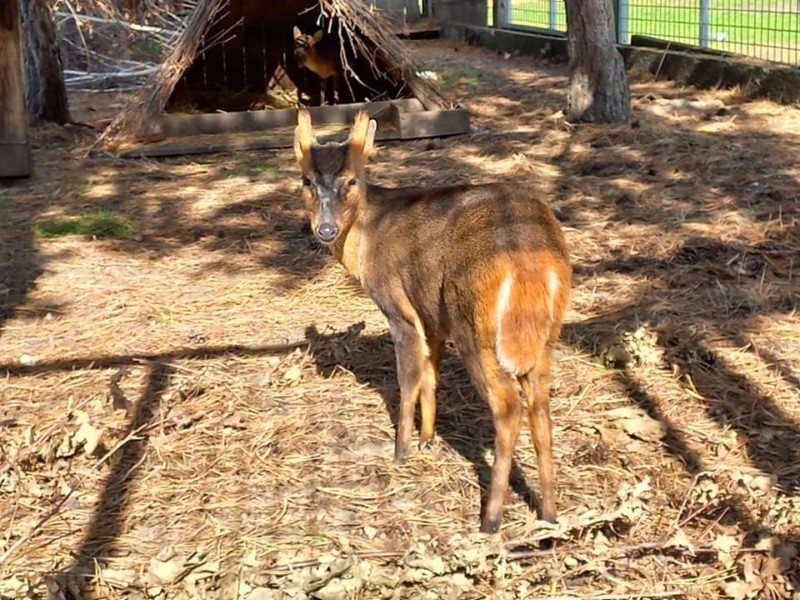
{"points": [[220, 132]]}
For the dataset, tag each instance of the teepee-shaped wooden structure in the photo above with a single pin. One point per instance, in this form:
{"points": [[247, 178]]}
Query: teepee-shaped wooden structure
{"points": [[232, 47]]}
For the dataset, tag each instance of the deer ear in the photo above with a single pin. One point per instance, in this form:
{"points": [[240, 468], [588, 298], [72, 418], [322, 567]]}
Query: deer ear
{"points": [[303, 135], [318, 36], [362, 139]]}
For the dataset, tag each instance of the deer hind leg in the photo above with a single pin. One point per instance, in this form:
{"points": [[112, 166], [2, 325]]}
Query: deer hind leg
{"points": [[427, 393], [499, 391], [335, 87], [411, 352], [536, 387]]}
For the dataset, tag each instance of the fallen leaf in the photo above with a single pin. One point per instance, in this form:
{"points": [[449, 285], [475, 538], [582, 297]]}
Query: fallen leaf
{"points": [[118, 577], [293, 374], [234, 421], [726, 545], [251, 559], [681, 540], [165, 572], [738, 590], [637, 423], [87, 434], [262, 593], [762, 483]]}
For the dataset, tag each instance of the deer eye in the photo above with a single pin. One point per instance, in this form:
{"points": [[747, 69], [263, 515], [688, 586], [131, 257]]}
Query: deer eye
{"points": [[306, 181], [353, 181]]}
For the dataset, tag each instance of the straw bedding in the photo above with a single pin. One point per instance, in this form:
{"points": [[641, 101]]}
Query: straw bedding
{"points": [[204, 408]]}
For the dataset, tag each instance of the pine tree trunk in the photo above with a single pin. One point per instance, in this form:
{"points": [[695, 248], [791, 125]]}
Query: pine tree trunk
{"points": [[598, 84], [45, 93]]}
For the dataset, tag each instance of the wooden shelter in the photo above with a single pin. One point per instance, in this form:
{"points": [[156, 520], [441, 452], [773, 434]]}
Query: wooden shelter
{"points": [[233, 55]]}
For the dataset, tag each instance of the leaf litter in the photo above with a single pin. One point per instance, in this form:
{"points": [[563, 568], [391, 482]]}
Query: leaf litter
{"points": [[209, 410]]}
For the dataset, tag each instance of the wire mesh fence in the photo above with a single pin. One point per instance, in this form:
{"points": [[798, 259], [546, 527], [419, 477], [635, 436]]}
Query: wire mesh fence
{"points": [[539, 14], [764, 29]]}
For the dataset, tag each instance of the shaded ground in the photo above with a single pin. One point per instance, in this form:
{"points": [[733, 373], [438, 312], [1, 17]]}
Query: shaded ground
{"points": [[197, 402]]}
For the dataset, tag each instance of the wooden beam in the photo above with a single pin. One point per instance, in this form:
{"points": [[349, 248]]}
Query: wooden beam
{"points": [[14, 145], [206, 133]]}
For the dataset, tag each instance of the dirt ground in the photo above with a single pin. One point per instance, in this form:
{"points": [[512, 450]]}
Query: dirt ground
{"points": [[198, 403]]}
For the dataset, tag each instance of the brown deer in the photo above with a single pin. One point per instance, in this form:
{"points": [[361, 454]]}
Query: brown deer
{"points": [[321, 58], [484, 266]]}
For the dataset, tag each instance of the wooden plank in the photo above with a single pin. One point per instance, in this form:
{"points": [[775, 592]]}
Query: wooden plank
{"points": [[431, 123], [276, 139], [176, 125], [273, 129], [14, 145]]}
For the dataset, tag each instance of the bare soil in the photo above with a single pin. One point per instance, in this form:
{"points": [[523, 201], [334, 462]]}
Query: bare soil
{"points": [[204, 406]]}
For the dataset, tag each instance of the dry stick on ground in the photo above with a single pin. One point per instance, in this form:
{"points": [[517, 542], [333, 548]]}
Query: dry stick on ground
{"points": [[287, 568], [55, 509], [30, 533]]}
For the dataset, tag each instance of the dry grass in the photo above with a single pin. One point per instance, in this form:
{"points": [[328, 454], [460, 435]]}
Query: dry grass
{"points": [[206, 409]]}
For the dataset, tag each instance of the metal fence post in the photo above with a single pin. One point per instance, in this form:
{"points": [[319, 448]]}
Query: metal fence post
{"points": [[498, 9], [705, 23], [621, 14], [553, 16]]}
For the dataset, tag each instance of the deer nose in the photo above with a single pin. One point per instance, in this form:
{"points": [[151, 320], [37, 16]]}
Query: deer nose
{"points": [[327, 232]]}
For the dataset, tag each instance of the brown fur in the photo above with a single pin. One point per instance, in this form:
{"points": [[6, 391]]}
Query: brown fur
{"points": [[320, 55], [436, 262]]}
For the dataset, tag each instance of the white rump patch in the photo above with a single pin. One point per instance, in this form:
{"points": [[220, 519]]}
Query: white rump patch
{"points": [[552, 290], [503, 302]]}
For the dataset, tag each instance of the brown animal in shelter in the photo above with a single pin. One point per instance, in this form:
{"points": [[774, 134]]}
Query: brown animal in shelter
{"points": [[484, 266], [320, 54]]}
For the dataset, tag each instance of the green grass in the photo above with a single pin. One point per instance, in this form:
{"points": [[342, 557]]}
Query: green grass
{"points": [[263, 170], [99, 224], [763, 30], [82, 188], [462, 76]]}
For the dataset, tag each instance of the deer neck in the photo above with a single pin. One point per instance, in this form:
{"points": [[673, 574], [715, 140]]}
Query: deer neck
{"points": [[349, 248]]}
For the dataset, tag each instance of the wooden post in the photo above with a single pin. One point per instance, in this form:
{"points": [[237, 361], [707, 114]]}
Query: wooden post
{"points": [[15, 150]]}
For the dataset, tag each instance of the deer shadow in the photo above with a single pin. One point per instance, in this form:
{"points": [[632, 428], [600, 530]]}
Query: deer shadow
{"points": [[463, 420]]}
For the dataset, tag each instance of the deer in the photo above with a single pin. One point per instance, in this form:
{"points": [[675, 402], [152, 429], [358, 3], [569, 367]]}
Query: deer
{"points": [[484, 266], [320, 58]]}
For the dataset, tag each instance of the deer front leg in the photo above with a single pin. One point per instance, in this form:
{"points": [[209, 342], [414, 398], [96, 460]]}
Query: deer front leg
{"points": [[410, 351]]}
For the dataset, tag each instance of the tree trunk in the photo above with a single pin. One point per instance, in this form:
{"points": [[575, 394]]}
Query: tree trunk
{"points": [[598, 85], [44, 76], [14, 147]]}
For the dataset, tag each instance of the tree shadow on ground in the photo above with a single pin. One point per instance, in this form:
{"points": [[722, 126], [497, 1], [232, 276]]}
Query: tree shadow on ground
{"points": [[107, 523], [463, 420], [20, 261], [677, 312]]}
